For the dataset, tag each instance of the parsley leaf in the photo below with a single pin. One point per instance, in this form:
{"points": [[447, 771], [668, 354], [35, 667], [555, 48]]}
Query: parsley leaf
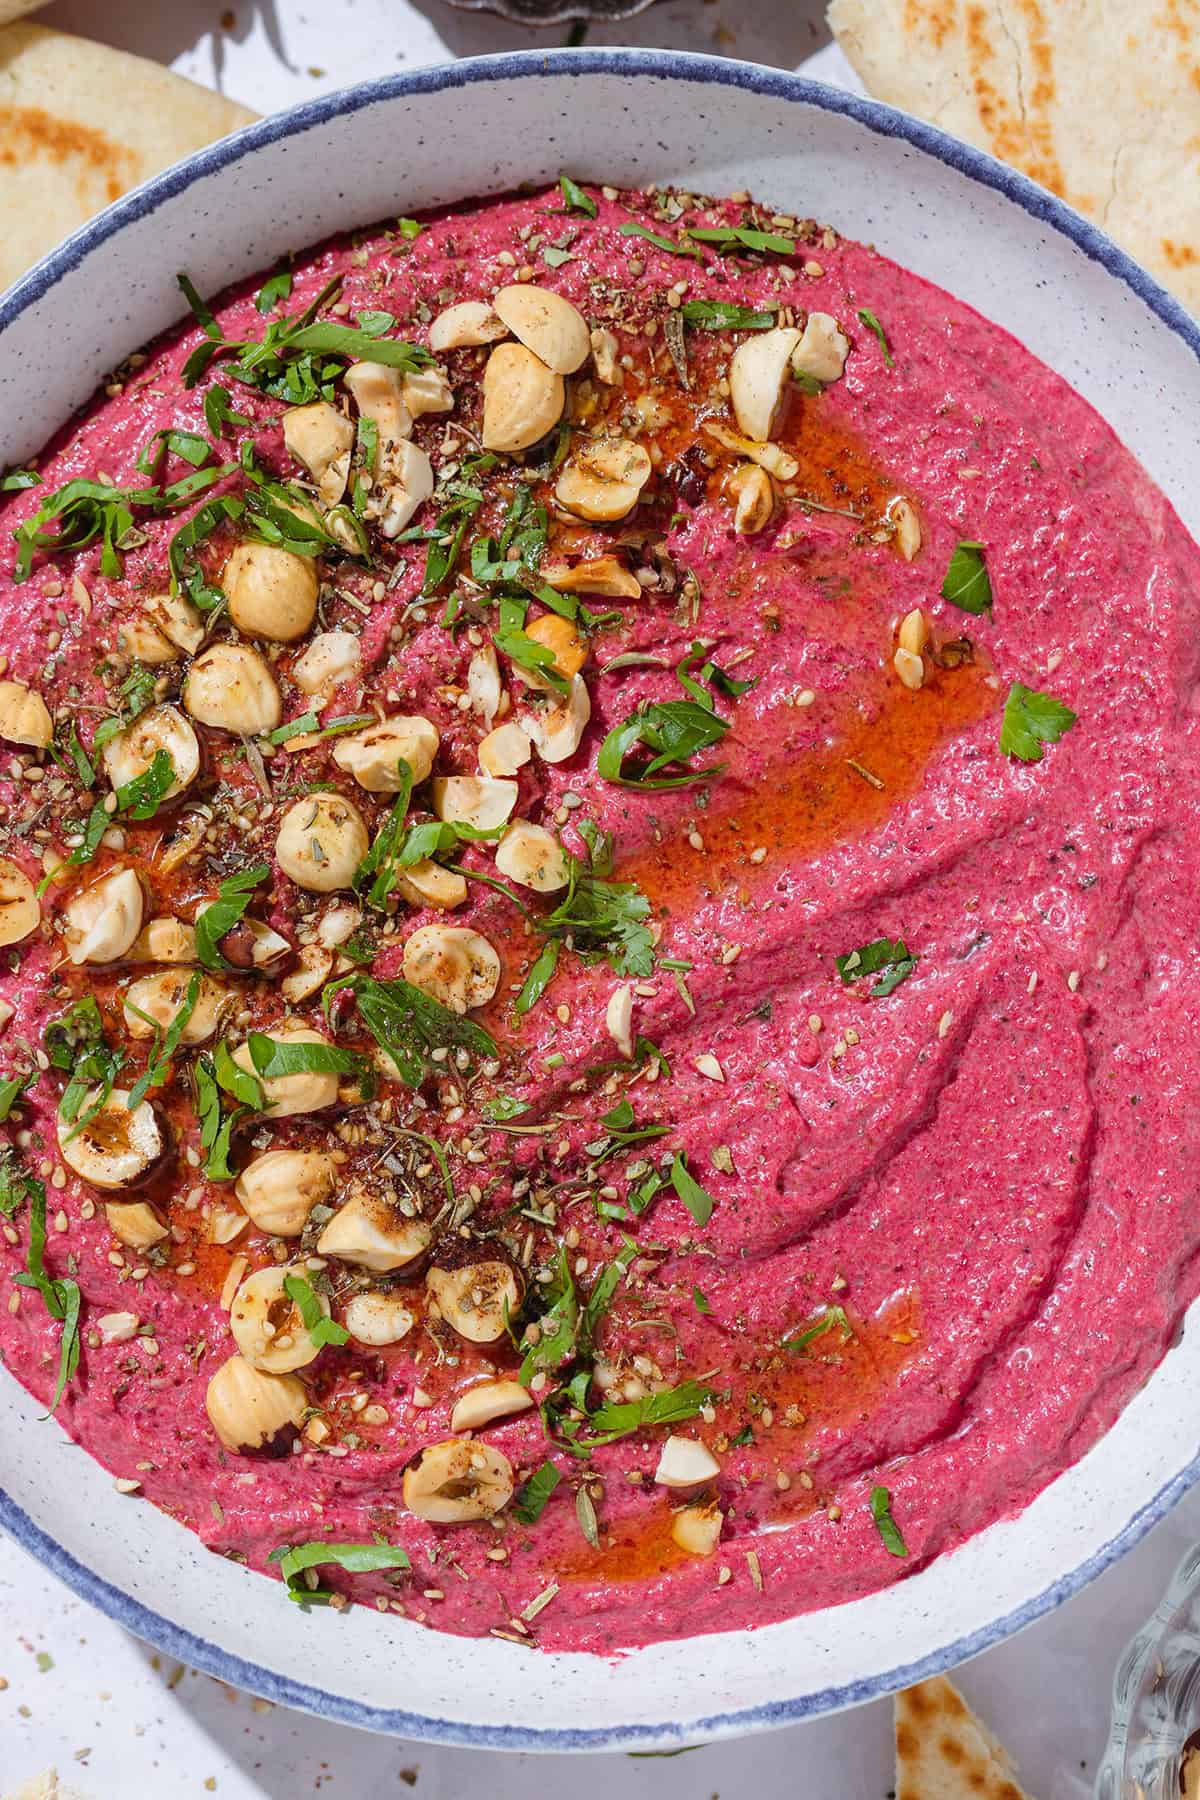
{"points": [[233, 897], [872, 324], [673, 731], [76, 515], [698, 1200], [1031, 720], [408, 1025], [742, 237], [216, 1128], [17, 480], [357, 1559], [160, 1060], [377, 872], [889, 1531], [833, 1315], [275, 1058], [321, 1329], [603, 918], [722, 315], [575, 200], [538, 978], [892, 957], [529, 1501], [621, 1418], [61, 1298], [966, 584], [276, 288], [674, 248]]}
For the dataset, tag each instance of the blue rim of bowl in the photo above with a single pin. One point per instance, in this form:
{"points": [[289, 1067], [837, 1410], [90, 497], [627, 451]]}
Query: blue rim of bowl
{"points": [[884, 121]]}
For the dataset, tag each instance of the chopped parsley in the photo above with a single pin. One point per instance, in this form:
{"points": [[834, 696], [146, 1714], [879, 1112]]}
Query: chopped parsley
{"points": [[620, 1418], [602, 918], [670, 245], [698, 1200], [891, 956], [216, 1126], [722, 315], [574, 198], [876, 329], [725, 238], [967, 585], [378, 871], [165, 1043], [233, 897], [274, 1058], [321, 1329], [833, 1315], [539, 977], [356, 1559], [16, 1184], [408, 1025], [300, 357], [61, 1297], [76, 515], [1030, 720], [673, 731], [889, 1531], [529, 1501], [277, 287]]}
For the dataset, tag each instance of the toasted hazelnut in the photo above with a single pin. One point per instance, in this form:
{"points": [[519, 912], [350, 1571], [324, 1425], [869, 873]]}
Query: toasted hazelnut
{"points": [[24, 718], [522, 399], [272, 592], [322, 438], [476, 1299], [286, 1095], [533, 857], [466, 323], [249, 1408], [117, 1146], [20, 910], [266, 1322], [373, 756], [457, 1481], [545, 323], [132, 752], [452, 964], [280, 1188], [231, 687], [159, 998], [104, 919], [321, 841], [603, 479], [758, 377]]}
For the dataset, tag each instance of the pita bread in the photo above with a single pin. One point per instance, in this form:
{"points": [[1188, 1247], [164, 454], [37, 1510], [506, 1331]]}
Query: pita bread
{"points": [[46, 1787], [944, 1753], [16, 9], [1099, 100], [79, 124]]}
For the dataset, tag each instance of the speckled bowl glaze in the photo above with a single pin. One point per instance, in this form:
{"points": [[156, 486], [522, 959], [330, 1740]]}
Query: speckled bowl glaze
{"points": [[952, 215]]}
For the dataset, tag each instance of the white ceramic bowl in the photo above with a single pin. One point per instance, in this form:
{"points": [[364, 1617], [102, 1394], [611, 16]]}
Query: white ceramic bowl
{"points": [[949, 213]]}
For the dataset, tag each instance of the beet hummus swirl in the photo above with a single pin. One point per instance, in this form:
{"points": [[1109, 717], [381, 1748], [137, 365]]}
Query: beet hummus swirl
{"points": [[597, 842]]}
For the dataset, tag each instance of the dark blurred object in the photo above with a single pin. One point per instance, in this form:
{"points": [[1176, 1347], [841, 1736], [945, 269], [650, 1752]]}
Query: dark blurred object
{"points": [[556, 12]]}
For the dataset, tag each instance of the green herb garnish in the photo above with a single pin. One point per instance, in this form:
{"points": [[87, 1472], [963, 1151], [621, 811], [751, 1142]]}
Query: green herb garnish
{"points": [[743, 237], [967, 585], [1031, 720], [670, 245], [233, 897], [698, 1200], [357, 1559], [886, 954], [538, 978], [61, 1298], [889, 1531], [165, 1043], [833, 1315], [529, 1501], [321, 1329], [408, 1025], [872, 324], [722, 315], [618, 1419], [673, 731], [574, 198]]}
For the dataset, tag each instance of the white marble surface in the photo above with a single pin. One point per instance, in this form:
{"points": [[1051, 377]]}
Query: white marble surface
{"points": [[79, 1694]]}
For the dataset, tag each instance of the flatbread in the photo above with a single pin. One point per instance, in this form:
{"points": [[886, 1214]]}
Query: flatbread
{"points": [[46, 1787], [943, 1752], [1099, 100], [80, 124], [16, 9]]}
